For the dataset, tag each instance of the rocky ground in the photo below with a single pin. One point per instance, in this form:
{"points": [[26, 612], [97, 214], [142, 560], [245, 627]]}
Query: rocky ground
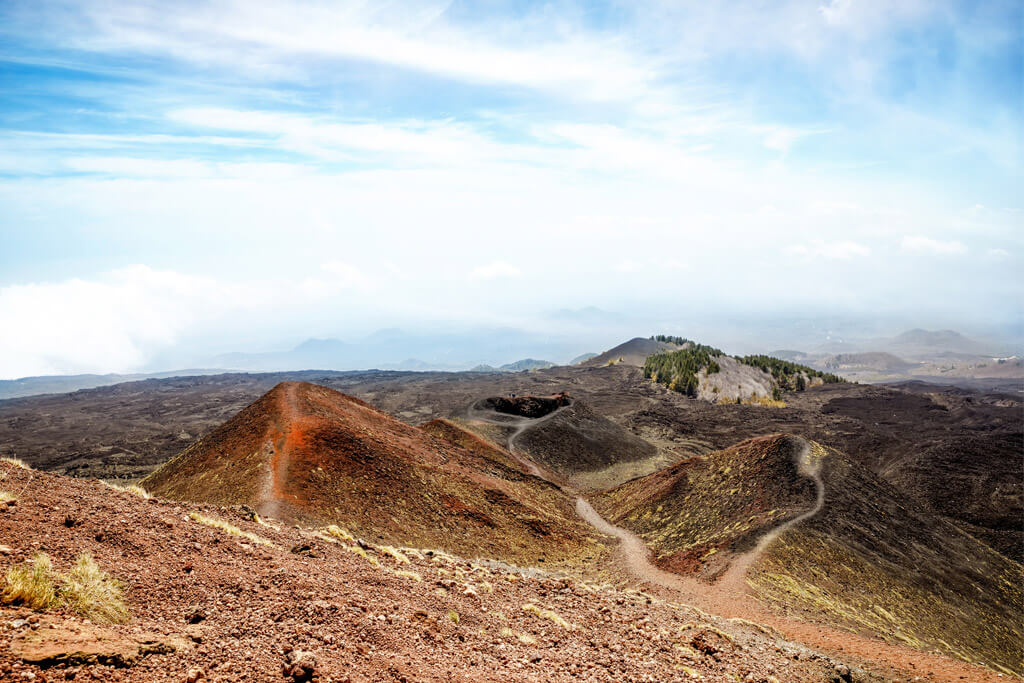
{"points": [[284, 603]]}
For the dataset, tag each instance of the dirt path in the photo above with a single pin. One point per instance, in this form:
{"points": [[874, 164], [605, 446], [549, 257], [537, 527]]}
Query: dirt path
{"points": [[277, 439], [734, 581], [521, 424], [729, 596]]}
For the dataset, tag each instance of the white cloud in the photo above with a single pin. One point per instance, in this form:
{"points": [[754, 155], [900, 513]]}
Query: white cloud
{"points": [[494, 271], [267, 39], [102, 325], [998, 254], [119, 320], [922, 243], [842, 250], [627, 266]]}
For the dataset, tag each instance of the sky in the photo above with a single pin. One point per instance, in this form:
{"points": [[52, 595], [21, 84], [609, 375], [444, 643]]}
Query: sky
{"points": [[179, 180]]}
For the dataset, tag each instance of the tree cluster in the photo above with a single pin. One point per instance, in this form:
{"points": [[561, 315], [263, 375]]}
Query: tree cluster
{"points": [[788, 375], [678, 369]]}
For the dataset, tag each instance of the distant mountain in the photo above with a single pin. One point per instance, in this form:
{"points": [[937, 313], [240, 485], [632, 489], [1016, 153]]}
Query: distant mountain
{"points": [[920, 343], [526, 364], [62, 384], [877, 361], [517, 366], [397, 349], [582, 358]]}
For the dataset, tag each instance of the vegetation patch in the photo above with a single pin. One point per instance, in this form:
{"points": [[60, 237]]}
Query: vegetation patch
{"points": [[86, 590], [550, 615], [133, 489], [788, 375], [229, 528], [678, 369]]}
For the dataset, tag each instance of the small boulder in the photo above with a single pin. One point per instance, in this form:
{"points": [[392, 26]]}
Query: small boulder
{"points": [[300, 665]]}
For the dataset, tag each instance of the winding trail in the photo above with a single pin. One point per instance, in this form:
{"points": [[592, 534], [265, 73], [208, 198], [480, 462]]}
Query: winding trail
{"points": [[729, 597], [809, 459], [521, 424]]}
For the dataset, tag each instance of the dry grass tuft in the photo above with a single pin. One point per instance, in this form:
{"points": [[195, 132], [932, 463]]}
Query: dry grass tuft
{"points": [[356, 550], [765, 401], [133, 489], [229, 529], [453, 616], [394, 553], [549, 615], [15, 462], [526, 639], [6, 496], [90, 592], [31, 585], [407, 574], [338, 532], [86, 590]]}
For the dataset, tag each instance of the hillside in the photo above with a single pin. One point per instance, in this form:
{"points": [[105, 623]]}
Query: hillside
{"points": [[308, 453], [251, 601], [707, 373], [869, 559], [568, 439], [633, 352]]}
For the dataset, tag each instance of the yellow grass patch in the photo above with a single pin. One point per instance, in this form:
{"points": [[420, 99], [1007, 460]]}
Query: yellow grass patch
{"points": [[86, 590], [229, 528]]}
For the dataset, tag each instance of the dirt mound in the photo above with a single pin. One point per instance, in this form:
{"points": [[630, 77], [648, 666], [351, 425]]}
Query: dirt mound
{"points": [[285, 603], [869, 559], [633, 352], [308, 453], [701, 512], [526, 406], [576, 442]]}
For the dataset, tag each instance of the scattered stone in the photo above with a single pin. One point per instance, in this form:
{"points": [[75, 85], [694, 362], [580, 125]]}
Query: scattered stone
{"points": [[300, 665]]}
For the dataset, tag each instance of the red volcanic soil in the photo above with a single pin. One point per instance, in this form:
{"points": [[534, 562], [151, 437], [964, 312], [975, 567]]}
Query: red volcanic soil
{"points": [[308, 453], [206, 605]]}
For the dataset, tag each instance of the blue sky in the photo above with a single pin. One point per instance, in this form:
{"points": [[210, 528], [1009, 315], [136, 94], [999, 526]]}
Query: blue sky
{"points": [[215, 176]]}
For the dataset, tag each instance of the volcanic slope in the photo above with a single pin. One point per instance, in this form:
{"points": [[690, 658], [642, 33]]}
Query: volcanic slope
{"points": [[868, 559], [307, 453], [633, 352], [213, 595], [569, 439]]}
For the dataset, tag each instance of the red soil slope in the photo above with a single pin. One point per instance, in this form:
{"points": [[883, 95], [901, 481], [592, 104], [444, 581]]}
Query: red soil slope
{"points": [[211, 606], [305, 452]]}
